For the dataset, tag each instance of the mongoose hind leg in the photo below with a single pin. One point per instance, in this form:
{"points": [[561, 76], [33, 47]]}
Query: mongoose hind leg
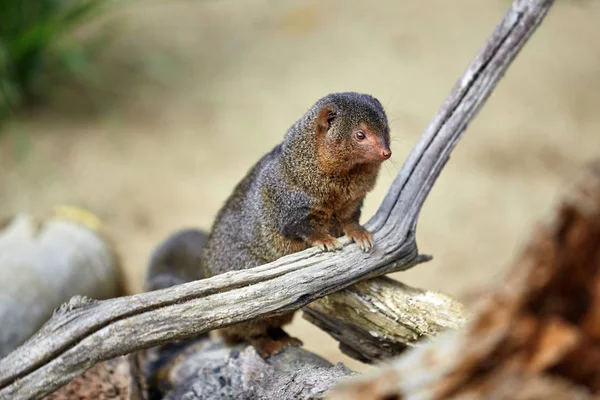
{"points": [[265, 335], [273, 342]]}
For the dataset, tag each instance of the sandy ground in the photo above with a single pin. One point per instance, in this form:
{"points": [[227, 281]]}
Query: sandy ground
{"points": [[221, 81]]}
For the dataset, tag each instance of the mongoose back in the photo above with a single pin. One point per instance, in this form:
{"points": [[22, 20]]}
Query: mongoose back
{"points": [[307, 191]]}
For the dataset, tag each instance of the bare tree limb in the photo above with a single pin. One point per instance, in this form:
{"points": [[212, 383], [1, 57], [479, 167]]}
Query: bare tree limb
{"points": [[536, 335], [84, 333], [379, 318]]}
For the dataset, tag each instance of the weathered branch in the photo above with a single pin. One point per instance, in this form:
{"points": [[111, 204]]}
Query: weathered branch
{"points": [[379, 318], [85, 333], [535, 335]]}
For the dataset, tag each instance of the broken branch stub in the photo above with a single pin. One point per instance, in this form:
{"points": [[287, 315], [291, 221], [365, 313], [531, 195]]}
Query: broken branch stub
{"points": [[379, 318]]}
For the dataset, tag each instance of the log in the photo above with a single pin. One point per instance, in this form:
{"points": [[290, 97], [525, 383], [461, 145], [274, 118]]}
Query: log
{"points": [[44, 261], [206, 369], [88, 332], [535, 335], [378, 319]]}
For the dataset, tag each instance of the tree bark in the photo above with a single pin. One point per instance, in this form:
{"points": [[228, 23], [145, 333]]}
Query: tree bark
{"points": [[379, 318], [207, 369], [535, 335], [86, 332]]}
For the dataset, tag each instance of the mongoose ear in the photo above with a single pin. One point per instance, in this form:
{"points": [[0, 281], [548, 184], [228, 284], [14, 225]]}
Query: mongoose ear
{"points": [[325, 118]]}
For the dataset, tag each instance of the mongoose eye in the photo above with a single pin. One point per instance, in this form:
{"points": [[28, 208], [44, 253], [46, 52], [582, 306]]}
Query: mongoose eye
{"points": [[360, 135]]}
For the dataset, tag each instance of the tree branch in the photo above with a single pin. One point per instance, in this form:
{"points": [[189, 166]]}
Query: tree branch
{"points": [[533, 336], [379, 318], [84, 333]]}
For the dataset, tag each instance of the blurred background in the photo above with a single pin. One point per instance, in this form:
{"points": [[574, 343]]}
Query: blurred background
{"points": [[148, 113]]}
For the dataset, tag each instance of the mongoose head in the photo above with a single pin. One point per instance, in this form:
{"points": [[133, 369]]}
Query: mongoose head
{"points": [[352, 130]]}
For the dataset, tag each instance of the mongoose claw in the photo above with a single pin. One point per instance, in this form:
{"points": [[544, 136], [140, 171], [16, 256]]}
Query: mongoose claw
{"points": [[364, 240], [327, 244]]}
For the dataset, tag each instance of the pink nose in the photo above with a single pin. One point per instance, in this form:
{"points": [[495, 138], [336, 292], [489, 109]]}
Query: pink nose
{"points": [[386, 154]]}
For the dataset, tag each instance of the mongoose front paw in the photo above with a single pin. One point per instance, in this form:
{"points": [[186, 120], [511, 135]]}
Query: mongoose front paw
{"points": [[326, 243], [362, 237]]}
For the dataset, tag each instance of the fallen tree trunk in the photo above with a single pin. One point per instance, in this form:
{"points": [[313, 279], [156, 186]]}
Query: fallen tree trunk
{"points": [[86, 332], [535, 335]]}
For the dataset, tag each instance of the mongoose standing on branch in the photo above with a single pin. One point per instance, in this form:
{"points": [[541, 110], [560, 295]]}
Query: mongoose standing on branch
{"points": [[307, 191]]}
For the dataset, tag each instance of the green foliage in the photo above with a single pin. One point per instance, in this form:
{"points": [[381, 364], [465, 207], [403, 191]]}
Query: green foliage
{"points": [[36, 41]]}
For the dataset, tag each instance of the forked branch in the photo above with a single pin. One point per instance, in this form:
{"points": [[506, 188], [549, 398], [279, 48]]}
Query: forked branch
{"points": [[84, 333]]}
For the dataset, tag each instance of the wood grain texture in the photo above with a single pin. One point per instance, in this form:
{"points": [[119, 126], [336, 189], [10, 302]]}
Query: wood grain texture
{"points": [[379, 318], [87, 332]]}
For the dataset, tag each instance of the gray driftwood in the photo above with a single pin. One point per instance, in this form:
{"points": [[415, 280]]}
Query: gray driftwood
{"points": [[534, 335], [87, 332], [44, 261], [379, 318]]}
